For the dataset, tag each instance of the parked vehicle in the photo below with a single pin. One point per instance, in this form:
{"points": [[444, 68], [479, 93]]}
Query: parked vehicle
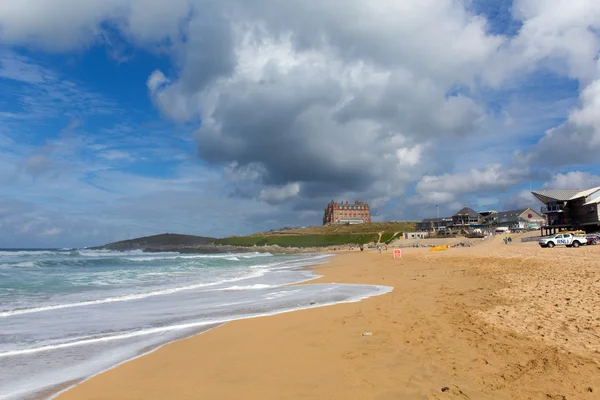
{"points": [[563, 239], [592, 239]]}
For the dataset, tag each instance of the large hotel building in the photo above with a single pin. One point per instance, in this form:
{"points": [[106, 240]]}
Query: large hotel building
{"points": [[346, 213]]}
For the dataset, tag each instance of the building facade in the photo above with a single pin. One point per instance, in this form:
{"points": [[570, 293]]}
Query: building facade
{"points": [[434, 224], [346, 213], [570, 209], [469, 220], [467, 217], [524, 218]]}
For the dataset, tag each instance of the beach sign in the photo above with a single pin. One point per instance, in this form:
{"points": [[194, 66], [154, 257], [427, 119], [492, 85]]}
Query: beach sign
{"points": [[397, 253]]}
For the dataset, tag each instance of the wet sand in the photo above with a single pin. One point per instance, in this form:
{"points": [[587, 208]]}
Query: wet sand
{"points": [[493, 321]]}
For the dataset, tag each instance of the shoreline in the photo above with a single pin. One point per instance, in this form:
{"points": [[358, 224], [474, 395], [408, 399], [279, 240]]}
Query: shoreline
{"points": [[442, 327], [328, 256]]}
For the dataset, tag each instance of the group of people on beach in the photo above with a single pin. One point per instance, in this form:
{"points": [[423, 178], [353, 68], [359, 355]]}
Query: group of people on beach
{"points": [[507, 240]]}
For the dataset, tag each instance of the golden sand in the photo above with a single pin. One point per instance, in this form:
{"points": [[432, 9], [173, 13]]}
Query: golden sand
{"points": [[493, 321]]}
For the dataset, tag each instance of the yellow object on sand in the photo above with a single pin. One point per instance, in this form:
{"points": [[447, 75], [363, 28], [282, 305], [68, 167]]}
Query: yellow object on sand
{"points": [[439, 248]]}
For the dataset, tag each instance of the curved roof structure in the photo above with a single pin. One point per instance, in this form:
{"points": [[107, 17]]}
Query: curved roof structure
{"points": [[546, 196]]}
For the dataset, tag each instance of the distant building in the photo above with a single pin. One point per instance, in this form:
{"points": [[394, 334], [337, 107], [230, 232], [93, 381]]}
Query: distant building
{"points": [[570, 209], [489, 217], [346, 213], [415, 235], [434, 224], [524, 218], [468, 219]]}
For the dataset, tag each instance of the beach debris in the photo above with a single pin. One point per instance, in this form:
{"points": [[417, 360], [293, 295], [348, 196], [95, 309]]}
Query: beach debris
{"points": [[590, 389], [445, 389], [367, 334]]}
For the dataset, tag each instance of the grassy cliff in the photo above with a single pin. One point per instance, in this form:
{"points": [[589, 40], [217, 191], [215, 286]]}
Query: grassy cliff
{"points": [[322, 236]]}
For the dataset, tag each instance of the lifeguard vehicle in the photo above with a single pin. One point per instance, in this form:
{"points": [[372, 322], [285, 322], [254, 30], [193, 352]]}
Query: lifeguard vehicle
{"points": [[563, 239]]}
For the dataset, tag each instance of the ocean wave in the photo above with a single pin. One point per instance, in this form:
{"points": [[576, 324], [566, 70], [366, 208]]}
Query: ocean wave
{"points": [[377, 290], [22, 253], [129, 297], [114, 253], [249, 287], [24, 264], [178, 256], [101, 339], [255, 254]]}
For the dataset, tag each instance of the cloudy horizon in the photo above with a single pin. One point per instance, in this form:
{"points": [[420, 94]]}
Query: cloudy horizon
{"points": [[127, 118]]}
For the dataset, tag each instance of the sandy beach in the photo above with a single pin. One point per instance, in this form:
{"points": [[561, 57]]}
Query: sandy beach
{"points": [[493, 321]]}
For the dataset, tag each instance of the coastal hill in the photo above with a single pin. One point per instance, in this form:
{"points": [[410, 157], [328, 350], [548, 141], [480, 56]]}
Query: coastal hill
{"points": [[301, 238], [170, 240]]}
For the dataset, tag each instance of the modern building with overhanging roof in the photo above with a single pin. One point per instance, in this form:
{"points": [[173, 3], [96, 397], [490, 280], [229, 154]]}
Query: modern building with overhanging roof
{"points": [[570, 209]]}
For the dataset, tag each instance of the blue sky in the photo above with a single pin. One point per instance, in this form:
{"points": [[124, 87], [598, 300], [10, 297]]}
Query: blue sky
{"points": [[122, 119]]}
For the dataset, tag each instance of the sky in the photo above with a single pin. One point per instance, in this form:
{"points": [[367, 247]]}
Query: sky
{"points": [[126, 118]]}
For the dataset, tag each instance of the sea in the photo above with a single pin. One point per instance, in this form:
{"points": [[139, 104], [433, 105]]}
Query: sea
{"points": [[69, 314]]}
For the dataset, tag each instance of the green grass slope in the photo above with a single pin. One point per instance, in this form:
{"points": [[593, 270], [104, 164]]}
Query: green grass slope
{"points": [[323, 236]]}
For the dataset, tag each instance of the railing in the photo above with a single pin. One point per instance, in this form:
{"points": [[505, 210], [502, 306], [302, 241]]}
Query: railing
{"points": [[563, 221], [531, 239], [552, 209]]}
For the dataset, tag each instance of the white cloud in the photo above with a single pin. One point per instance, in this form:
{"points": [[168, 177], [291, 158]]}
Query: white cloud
{"points": [[491, 178], [577, 141], [18, 68], [51, 232], [279, 194], [156, 80], [521, 199], [114, 155], [573, 180], [409, 156]]}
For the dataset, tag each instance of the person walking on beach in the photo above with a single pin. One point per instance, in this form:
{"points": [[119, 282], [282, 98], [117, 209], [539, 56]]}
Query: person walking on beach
{"points": [[505, 240], [379, 248]]}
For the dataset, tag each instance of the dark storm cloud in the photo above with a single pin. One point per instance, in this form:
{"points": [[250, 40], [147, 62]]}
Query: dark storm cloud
{"points": [[283, 127], [208, 51]]}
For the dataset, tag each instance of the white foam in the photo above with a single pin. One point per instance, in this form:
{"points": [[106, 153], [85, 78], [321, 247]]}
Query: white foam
{"points": [[381, 290], [113, 253], [249, 287], [129, 297], [255, 254], [24, 264], [28, 253], [178, 256], [283, 293]]}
